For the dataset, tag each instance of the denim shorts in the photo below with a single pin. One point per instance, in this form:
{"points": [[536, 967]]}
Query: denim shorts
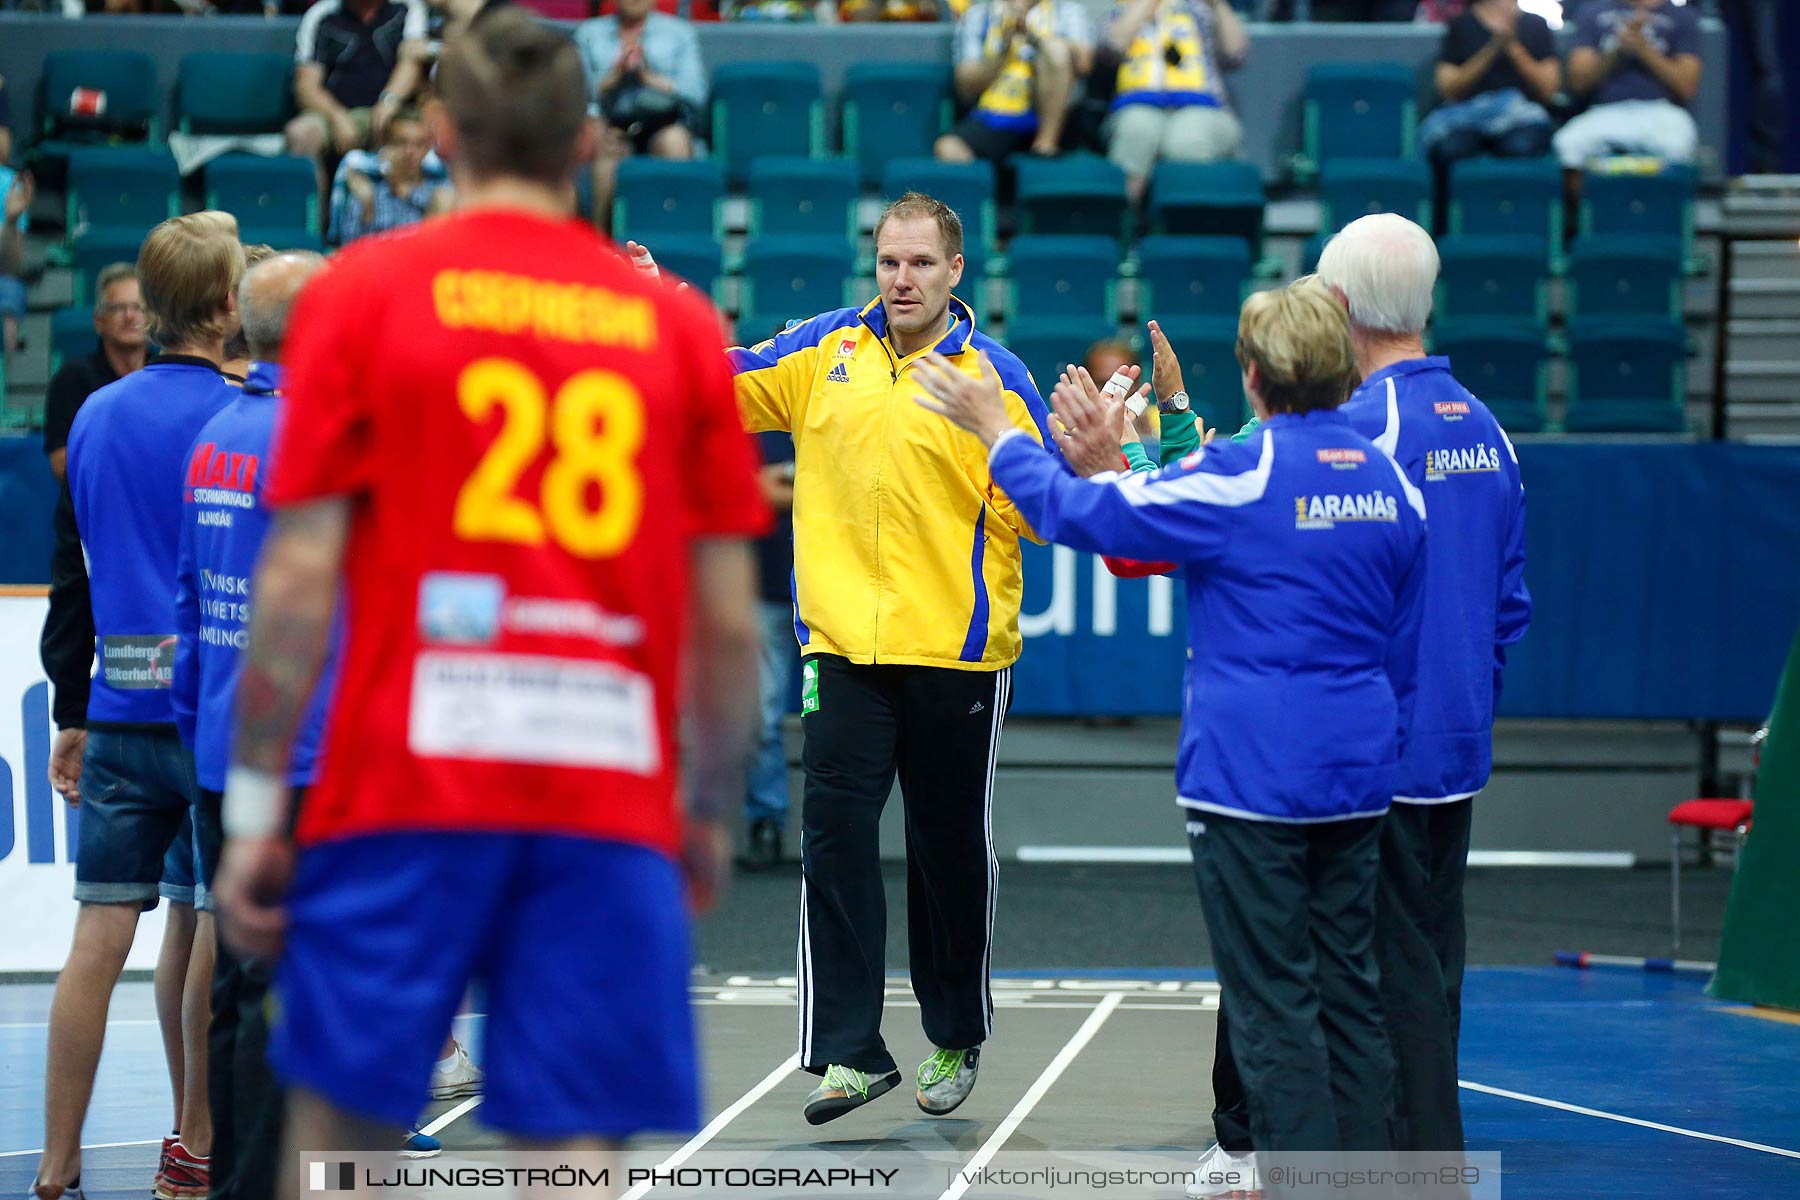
{"points": [[134, 838], [12, 296]]}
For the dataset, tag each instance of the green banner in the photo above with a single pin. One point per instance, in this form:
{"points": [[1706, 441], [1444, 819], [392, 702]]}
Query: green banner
{"points": [[1759, 960]]}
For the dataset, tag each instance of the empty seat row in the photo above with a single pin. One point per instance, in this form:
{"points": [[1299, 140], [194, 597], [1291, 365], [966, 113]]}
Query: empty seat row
{"points": [[1502, 275], [216, 92], [1625, 375], [115, 194]]}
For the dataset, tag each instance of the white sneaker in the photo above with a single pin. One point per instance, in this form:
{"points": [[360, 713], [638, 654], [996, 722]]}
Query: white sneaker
{"points": [[1222, 1173], [461, 1078]]}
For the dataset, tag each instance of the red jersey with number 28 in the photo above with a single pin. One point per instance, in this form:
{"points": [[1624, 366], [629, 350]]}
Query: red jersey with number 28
{"points": [[532, 435]]}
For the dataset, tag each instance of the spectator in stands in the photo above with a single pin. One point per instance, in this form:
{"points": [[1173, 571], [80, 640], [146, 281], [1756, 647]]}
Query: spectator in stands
{"points": [[1756, 26], [1168, 59], [16, 191], [1496, 70], [766, 786], [376, 193], [887, 10], [350, 75], [650, 84], [1016, 63], [1637, 64], [124, 344]]}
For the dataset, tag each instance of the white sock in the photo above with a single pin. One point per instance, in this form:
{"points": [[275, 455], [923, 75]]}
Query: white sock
{"points": [[445, 1063]]}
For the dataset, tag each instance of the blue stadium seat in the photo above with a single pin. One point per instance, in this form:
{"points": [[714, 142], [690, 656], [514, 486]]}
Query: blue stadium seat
{"points": [[893, 110], [276, 200], [1516, 196], [1659, 205], [765, 108], [120, 189], [1491, 275], [96, 252], [1359, 110], [1080, 194], [227, 93], [694, 257], [1062, 275], [1623, 275], [658, 196], [1354, 187], [126, 77], [1503, 363], [814, 196], [1207, 348], [71, 334], [1626, 376], [1048, 344], [1208, 199], [1191, 276], [788, 277], [968, 188]]}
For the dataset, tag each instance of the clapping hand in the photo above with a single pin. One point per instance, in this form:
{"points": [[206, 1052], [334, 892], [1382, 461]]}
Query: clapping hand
{"points": [[977, 404], [1088, 423], [18, 197]]}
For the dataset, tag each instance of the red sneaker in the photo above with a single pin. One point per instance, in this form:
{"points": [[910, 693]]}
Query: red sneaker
{"points": [[185, 1176], [162, 1162]]}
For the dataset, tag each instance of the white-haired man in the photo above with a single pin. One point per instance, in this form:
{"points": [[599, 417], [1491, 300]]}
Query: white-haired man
{"points": [[1476, 605]]}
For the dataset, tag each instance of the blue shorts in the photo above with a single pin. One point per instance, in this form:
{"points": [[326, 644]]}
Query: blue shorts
{"points": [[181, 869], [12, 297], [582, 949], [137, 791]]}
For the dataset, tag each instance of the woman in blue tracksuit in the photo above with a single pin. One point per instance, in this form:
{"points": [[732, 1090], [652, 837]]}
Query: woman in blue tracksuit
{"points": [[1303, 548]]}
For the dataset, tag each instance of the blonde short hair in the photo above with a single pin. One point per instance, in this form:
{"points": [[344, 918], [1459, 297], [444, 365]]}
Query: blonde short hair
{"points": [[189, 268], [1298, 339]]}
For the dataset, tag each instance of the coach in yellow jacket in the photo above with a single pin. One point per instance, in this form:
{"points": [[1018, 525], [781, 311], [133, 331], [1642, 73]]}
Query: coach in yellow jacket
{"points": [[907, 588]]}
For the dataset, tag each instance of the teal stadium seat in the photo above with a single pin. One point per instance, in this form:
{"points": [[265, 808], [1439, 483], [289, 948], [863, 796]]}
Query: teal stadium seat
{"points": [[276, 200], [119, 190], [1062, 275], [96, 252], [1207, 348], [71, 334], [655, 197], [790, 277], [1491, 275], [893, 110], [1511, 196], [1626, 375], [1654, 205], [968, 188], [1079, 194], [763, 108], [223, 93], [694, 257], [1503, 362], [1223, 199], [1191, 276], [1355, 187], [127, 80], [1048, 344], [1359, 110], [814, 196], [1625, 275]]}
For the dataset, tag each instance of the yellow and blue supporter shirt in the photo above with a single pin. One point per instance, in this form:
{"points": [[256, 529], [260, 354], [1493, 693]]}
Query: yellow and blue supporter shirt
{"points": [[905, 551], [1186, 33], [1006, 104]]}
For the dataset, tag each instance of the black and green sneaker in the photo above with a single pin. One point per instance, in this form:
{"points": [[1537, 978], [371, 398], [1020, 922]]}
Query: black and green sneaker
{"points": [[846, 1088], [947, 1078]]}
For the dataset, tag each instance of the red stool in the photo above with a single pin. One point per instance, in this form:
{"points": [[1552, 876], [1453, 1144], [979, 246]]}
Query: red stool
{"points": [[1709, 816]]}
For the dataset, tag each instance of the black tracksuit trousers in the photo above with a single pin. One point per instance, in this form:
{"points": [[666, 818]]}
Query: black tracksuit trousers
{"points": [[939, 730]]}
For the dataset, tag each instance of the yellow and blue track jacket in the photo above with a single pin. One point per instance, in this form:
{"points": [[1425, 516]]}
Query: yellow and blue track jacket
{"points": [[904, 550]]}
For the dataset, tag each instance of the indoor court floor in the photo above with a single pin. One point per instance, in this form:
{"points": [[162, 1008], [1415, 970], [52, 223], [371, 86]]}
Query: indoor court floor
{"points": [[1589, 1083]]}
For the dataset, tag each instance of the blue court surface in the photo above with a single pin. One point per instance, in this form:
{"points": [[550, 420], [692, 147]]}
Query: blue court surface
{"points": [[1589, 1083]]}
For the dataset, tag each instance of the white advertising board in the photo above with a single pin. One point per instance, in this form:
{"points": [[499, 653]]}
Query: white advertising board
{"points": [[37, 830]]}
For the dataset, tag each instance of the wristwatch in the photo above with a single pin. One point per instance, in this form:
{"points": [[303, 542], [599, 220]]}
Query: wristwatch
{"points": [[1178, 403]]}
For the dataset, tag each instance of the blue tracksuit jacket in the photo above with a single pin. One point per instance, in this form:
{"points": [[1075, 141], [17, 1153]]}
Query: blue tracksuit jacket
{"points": [[223, 523], [128, 457], [1304, 552], [1476, 603]]}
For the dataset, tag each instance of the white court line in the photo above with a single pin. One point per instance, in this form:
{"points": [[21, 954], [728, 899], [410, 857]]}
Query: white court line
{"points": [[717, 1125], [446, 1119], [1595, 1112], [1033, 1094], [95, 1146]]}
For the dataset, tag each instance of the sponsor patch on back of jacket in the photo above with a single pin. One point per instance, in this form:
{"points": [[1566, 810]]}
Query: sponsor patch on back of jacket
{"points": [[1452, 409], [1347, 458], [1324, 512], [134, 662], [1461, 460]]}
